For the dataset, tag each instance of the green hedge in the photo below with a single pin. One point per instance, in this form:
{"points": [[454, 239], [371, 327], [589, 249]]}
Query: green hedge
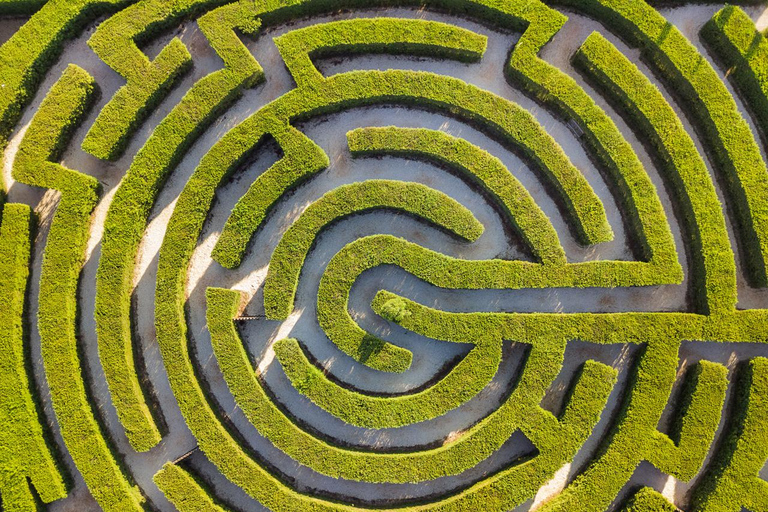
{"points": [[500, 118], [465, 380], [60, 112], [708, 102], [509, 487], [375, 35], [183, 491], [649, 233], [130, 207], [733, 38], [20, 6], [147, 82], [713, 266], [648, 500], [25, 454], [732, 482], [478, 166], [288, 258], [27, 55], [452, 457]]}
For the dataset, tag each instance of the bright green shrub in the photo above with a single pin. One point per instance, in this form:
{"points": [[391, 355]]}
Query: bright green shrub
{"points": [[288, 257], [127, 215], [452, 457], [732, 482], [478, 166], [25, 454], [498, 117], [375, 35], [732, 36], [60, 112], [467, 378], [20, 6], [648, 500], [649, 234]]}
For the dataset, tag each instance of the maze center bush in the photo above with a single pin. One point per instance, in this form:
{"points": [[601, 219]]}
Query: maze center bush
{"points": [[227, 403]]}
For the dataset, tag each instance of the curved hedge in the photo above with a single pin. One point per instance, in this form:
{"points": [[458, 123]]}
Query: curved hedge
{"points": [[61, 110], [128, 213], [26, 457], [375, 35], [713, 265], [708, 102], [183, 491], [147, 82], [26, 56], [480, 167], [733, 481]]}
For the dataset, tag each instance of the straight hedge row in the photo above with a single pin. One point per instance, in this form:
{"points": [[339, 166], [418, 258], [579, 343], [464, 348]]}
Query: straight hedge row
{"points": [[706, 99], [713, 269], [61, 110], [127, 215], [147, 82], [25, 454]]}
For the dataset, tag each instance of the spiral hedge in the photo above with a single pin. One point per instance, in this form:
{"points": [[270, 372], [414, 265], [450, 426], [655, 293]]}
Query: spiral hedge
{"points": [[541, 288]]}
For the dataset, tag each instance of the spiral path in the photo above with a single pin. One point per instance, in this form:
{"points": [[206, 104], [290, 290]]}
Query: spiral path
{"points": [[449, 255]]}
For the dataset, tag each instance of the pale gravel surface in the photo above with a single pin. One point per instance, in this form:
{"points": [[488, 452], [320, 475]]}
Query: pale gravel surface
{"points": [[429, 354]]}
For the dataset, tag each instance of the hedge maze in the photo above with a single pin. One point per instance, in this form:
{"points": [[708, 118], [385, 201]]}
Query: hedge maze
{"points": [[329, 255]]}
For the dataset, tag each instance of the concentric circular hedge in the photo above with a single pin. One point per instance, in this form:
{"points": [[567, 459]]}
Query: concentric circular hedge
{"points": [[455, 255]]}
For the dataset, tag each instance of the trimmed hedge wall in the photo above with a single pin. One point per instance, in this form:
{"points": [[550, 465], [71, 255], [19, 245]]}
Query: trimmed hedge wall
{"points": [[20, 6], [415, 199], [713, 266], [127, 215], [649, 233], [503, 119], [182, 489], [706, 99], [452, 457], [648, 500], [733, 38], [147, 82], [26, 454], [733, 482], [26, 56], [59, 113], [476, 165], [375, 35]]}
